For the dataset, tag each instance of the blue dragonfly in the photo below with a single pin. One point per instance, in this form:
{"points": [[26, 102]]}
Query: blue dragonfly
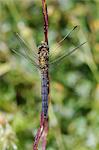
{"points": [[40, 58]]}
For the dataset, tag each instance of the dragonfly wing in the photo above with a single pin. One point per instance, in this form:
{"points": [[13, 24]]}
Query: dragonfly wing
{"points": [[26, 57], [65, 54], [26, 48], [64, 38]]}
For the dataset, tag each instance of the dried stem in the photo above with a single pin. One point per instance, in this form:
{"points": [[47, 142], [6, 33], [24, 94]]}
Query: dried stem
{"points": [[45, 16], [43, 130]]}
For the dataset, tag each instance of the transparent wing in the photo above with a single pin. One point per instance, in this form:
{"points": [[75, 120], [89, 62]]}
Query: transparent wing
{"points": [[27, 57], [26, 48], [25, 51], [59, 44], [66, 54]]}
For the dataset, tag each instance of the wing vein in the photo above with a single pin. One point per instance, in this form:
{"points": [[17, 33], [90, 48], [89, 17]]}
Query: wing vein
{"points": [[66, 54]]}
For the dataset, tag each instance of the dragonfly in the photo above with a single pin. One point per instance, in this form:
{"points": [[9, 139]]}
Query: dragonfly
{"points": [[41, 60]]}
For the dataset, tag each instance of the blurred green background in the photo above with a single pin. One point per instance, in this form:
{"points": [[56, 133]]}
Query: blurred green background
{"points": [[74, 108]]}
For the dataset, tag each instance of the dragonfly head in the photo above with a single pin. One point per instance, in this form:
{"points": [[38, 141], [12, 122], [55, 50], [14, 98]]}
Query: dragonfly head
{"points": [[43, 51]]}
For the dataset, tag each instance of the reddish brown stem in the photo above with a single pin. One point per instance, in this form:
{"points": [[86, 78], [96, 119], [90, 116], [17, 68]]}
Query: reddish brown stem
{"points": [[39, 133], [43, 130], [45, 16], [44, 135]]}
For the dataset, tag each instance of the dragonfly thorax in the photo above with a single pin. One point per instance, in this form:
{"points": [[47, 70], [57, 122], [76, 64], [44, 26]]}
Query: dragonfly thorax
{"points": [[43, 51]]}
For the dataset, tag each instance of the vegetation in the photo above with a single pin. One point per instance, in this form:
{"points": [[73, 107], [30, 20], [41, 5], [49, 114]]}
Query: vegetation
{"points": [[74, 108]]}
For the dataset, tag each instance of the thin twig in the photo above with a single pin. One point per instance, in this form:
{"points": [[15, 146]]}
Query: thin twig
{"points": [[43, 130], [45, 16]]}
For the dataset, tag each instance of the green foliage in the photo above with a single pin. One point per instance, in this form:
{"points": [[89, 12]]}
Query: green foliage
{"points": [[74, 108]]}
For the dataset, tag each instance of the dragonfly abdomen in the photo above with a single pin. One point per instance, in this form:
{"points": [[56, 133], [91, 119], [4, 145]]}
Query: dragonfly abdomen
{"points": [[45, 92]]}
